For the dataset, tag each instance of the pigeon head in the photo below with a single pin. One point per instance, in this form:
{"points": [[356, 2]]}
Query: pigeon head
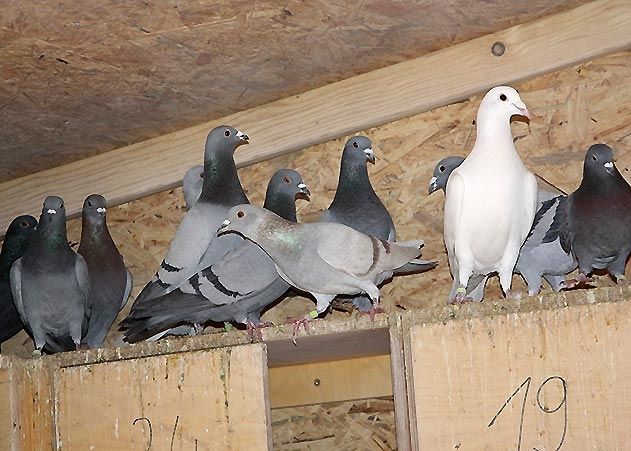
{"points": [[192, 185], [358, 149], [22, 226], [94, 208], [288, 182], [54, 211], [283, 189], [194, 175], [243, 219], [225, 139], [502, 101], [442, 171], [599, 161]]}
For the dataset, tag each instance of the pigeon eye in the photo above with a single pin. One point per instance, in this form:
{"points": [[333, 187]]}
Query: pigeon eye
{"points": [[201, 175], [286, 179], [503, 97], [227, 133], [442, 169], [24, 224], [240, 214], [355, 145], [89, 204], [594, 158]]}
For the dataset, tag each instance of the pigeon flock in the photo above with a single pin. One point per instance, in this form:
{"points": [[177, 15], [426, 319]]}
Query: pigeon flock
{"points": [[229, 260]]}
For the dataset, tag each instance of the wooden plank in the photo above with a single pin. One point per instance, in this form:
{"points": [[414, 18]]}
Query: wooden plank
{"points": [[338, 380], [337, 109], [399, 385], [327, 346], [33, 406], [6, 411], [212, 399], [552, 379]]}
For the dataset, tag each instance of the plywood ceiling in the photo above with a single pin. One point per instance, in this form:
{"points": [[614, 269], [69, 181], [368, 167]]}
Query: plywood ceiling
{"points": [[84, 77]]}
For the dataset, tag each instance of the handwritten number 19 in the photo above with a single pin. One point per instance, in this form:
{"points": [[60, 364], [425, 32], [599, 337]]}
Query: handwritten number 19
{"points": [[540, 405]]}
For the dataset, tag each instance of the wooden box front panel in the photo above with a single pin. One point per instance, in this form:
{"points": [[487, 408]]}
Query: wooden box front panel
{"points": [[204, 400], [546, 380]]}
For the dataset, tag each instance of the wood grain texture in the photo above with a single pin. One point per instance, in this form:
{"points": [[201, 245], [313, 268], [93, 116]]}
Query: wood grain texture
{"points": [[333, 381], [399, 384], [6, 410], [556, 379], [215, 398], [84, 78], [335, 110]]}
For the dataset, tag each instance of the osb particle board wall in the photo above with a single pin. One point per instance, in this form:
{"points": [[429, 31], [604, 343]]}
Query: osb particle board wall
{"points": [[571, 109]]}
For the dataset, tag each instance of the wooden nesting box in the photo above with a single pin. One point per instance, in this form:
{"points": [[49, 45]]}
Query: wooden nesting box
{"points": [[547, 372]]}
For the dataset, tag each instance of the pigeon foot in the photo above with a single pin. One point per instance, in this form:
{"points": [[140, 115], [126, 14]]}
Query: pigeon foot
{"points": [[255, 330], [461, 296], [582, 279], [302, 321], [372, 312]]}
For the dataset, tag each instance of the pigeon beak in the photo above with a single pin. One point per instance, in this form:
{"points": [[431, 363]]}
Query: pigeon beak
{"points": [[51, 211], [223, 226], [522, 110], [304, 191], [609, 167], [245, 139], [432, 185], [101, 210], [370, 155]]}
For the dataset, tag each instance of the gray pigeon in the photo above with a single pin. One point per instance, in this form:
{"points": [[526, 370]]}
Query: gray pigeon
{"points": [[50, 284], [236, 288], [16, 240], [594, 222], [491, 198], [110, 281], [324, 259], [192, 185], [195, 245], [356, 205], [536, 258]]}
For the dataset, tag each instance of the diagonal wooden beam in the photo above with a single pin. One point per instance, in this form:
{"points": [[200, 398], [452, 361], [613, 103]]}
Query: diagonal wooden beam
{"points": [[341, 108]]}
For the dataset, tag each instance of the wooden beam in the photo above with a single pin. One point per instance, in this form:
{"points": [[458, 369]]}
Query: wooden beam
{"points": [[322, 382], [351, 105], [399, 384]]}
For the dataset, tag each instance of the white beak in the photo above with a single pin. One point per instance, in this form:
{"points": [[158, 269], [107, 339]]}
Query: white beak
{"points": [[609, 165], [521, 107], [225, 223], [100, 210], [242, 136], [370, 155], [301, 186], [433, 180], [51, 211]]}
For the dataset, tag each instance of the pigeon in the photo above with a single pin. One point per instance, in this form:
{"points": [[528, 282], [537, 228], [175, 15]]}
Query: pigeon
{"points": [[195, 244], [491, 198], [110, 281], [594, 222], [236, 288], [324, 259], [356, 205], [537, 259], [442, 171], [50, 284], [16, 241], [192, 185]]}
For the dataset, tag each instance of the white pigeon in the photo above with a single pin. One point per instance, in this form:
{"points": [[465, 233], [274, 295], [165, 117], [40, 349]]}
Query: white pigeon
{"points": [[491, 198]]}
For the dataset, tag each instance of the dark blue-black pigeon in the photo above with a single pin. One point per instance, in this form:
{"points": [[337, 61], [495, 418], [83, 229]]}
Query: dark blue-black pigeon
{"points": [[594, 222], [15, 242], [50, 284], [110, 281]]}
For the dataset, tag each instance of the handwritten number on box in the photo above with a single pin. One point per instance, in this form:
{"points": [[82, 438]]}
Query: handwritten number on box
{"points": [[545, 409]]}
